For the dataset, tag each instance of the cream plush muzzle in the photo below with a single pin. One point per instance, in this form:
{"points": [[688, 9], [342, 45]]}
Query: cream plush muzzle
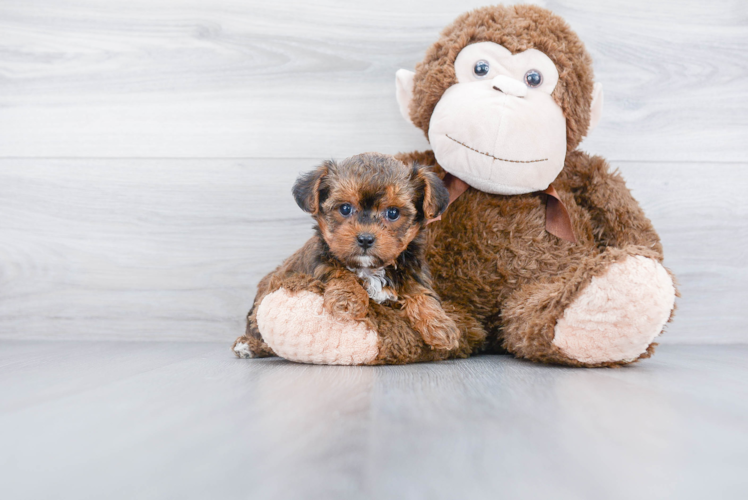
{"points": [[496, 142], [495, 131]]}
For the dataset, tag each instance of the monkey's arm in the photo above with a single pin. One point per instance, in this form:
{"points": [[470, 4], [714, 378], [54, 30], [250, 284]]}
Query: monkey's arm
{"points": [[292, 275], [618, 219], [252, 344]]}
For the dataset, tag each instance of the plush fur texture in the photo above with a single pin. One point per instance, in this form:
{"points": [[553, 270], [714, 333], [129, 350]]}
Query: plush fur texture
{"points": [[492, 255], [508, 284]]}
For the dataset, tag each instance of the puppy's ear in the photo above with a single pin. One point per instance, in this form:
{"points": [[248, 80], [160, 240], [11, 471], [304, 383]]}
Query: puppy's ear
{"points": [[435, 197], [310, 188]]}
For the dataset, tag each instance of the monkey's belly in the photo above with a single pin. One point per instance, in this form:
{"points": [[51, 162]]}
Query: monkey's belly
{"points": [[487, 246]]}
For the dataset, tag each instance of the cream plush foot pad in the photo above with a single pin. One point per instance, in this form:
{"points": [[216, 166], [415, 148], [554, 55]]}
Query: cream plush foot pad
{"points": [[619, 313], [299, 329]]}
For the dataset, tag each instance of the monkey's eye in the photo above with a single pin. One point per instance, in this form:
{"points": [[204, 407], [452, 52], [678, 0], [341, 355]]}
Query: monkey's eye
{"points": [[345, 209], [481, 69], [393, 213], [533, 78]]}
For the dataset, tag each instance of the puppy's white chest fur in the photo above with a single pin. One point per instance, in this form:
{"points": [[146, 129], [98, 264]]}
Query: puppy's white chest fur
{"points": [[374, 283]]}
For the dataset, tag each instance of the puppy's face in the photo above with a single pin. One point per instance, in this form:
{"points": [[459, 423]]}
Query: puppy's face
{"points": [[368, 224], [370, 207]]}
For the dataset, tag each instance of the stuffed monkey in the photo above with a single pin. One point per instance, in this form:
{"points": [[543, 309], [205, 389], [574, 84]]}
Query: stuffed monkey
{"points": [[543, 252]]}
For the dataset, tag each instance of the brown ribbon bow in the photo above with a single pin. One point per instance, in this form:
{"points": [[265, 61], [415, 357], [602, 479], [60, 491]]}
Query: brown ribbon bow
{"points": [[557, 220]]}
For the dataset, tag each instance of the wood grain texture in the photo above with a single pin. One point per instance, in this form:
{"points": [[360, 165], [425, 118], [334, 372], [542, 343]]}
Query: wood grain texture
{"points": [[249, 78], [122, 420], [173, 249], [141, 249]]}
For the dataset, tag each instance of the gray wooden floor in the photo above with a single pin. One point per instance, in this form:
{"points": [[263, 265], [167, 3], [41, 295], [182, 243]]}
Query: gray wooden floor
{"points": [[165, 420]]}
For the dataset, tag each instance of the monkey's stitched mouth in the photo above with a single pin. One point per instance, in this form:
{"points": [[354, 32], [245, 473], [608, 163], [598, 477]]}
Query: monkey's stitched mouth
{"points": [[492, 156]]}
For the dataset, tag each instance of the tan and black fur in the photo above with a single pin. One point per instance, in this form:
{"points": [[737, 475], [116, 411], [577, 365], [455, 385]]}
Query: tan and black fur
{"points": [[350, 250]]}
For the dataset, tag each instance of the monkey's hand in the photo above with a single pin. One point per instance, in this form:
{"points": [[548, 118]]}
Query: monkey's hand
{"points": [[346, 299], [429, 319]]}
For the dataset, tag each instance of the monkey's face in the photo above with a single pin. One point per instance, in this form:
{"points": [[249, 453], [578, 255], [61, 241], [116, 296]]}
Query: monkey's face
{"points": [[498, 128]]}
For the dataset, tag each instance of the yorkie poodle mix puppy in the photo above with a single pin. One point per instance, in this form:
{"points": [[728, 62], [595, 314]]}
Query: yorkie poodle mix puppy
{"points": [[371, 211]]}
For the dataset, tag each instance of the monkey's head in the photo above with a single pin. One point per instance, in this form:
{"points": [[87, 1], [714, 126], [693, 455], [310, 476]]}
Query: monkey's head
{"points": [[370, 207], [502, 96]]}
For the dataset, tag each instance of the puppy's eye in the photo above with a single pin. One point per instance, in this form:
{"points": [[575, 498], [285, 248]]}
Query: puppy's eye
{"points": [[345, 209], [533, 78], [481, 69], [393, 213]]}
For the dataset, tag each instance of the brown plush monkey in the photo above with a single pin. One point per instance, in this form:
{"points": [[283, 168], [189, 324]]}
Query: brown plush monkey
{"points": [[545, 254]]}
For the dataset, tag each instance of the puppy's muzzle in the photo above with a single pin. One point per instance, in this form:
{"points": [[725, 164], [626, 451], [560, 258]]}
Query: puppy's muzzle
{"points": [[365, 240]]}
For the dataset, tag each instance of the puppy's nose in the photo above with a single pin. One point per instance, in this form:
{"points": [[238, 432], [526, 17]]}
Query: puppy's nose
{"points": [[365, 240]]}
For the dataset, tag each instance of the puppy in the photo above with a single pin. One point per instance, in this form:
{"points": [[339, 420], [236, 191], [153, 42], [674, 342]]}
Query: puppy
{"points": [[370, 212]]}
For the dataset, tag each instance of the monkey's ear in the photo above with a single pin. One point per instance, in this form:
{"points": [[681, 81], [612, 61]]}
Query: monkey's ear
{"points": [[310, 190], [596, 108], [404, 92], [435, 194]]}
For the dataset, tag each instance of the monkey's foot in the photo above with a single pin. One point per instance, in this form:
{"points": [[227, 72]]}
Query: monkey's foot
{"points": [[297, 327], [618, 315]]}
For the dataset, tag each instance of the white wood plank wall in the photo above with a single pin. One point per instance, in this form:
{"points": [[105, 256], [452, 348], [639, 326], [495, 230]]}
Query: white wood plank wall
{"points": [[147, 147]]}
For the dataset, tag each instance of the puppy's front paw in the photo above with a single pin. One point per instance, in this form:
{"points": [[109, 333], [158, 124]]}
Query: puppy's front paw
{"points": [[440, 332], [429, 319], [346, 302]]}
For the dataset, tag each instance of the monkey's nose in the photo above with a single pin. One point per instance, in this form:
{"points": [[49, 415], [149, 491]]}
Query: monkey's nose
{"points": [[509, 86], [365, 240]]}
